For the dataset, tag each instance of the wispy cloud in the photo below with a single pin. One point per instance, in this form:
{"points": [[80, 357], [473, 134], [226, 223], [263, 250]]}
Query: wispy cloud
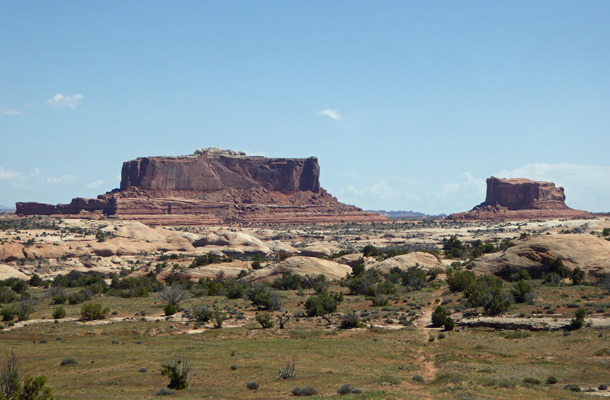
{"points": [[332, 113], [7, 174], [95, 184], [10, 111], [60, 101], [34, 179]]}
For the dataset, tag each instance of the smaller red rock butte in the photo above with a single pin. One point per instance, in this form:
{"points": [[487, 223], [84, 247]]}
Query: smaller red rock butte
{"points": [[211, 187], [520, 198]]}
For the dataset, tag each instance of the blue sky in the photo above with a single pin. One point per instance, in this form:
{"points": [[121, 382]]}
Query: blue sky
{"points": [[408, 105]]}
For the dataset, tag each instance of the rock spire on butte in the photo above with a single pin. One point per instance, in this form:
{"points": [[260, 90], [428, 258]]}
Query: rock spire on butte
{"points": [[214, 186], [520, 198]]}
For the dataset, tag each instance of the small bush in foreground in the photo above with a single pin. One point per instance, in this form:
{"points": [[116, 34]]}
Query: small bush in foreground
{"points": [[551, 380], [11, 386], [252, 385], [177, 369], [348, 389], [303, 391], [288, 370]]}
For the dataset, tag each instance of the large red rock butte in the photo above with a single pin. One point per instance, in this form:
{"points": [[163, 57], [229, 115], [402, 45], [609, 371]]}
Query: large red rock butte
{"points": [[211, 187], [520, 198]]}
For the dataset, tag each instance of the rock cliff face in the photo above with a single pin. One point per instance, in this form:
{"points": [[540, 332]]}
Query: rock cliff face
{"points": [[214, 186], [523, 194], [520, 198], [213, 169]]}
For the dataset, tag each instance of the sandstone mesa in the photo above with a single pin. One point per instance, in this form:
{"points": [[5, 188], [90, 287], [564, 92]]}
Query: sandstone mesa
{"points": [[520, 198], [214, 186]]}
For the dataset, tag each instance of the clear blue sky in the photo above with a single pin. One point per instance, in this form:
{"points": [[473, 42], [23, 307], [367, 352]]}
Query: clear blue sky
{"points": [[408, 105]]}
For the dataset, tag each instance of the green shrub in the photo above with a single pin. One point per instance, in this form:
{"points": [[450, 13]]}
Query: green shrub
{"points": [[348, 389], [202, 313], [177, 369], [59, 312], [449, 324], [370, 251], [439, 316], [303, 391], [7, 295], [93, 311], [252, 385], [8, 313], [380, 300], [264, 298], [288, 370], [170, 309], [531, 381], [414, 278], [68, 361], [418, 378], [578, 276], [219, 317], [321, 304], [551, 380], [349, 321], [460, 281], [579, 319], [265, 319]]}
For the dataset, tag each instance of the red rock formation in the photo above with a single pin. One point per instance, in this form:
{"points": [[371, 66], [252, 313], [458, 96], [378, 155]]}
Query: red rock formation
{"points": [[520, 198], [215, 187]]}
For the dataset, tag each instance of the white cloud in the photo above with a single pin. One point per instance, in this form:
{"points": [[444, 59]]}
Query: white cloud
{"points": [[10, 111], [586, 186], [378, 190], [60, 180], [60, 101], [33, 180], [95, 185], [7, 174], [332, 113]]}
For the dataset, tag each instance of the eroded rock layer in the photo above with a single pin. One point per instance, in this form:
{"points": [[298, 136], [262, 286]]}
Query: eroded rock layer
{"points": [[520, 198], [213, 187]]}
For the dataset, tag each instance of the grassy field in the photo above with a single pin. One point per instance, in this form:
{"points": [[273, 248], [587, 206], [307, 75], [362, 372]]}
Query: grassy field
{"points": [[414, 361]]}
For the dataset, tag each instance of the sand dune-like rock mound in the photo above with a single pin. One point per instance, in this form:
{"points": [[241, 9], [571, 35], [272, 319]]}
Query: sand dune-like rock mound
{"points": [[320, 250], [405, 261], [589, 253], [6, 272], [302, 266]]}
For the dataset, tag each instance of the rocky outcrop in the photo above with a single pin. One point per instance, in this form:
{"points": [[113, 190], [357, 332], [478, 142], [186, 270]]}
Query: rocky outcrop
{"points": [[213, 187], [524, 194], [520, 198], [215, 169], [535, 254]]}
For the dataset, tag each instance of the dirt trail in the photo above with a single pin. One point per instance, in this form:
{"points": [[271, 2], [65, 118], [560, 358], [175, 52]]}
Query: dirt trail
{"points": [[425, 360]]}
